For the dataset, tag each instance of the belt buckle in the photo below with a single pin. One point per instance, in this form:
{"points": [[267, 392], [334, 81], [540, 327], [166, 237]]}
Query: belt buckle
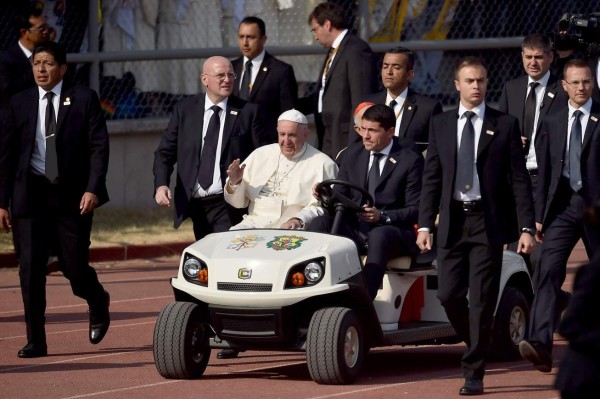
{"points": [[469, 206]]}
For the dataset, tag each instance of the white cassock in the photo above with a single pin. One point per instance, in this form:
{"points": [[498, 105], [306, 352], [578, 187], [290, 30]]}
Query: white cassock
{"points": [[276, 189]]}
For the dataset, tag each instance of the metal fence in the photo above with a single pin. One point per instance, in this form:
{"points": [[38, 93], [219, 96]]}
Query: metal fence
{"points": [[149, 52]]}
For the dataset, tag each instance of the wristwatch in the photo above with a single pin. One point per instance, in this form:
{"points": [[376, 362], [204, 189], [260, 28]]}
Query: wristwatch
{"points": [[301, 222], [528, 230], [385, 219]]}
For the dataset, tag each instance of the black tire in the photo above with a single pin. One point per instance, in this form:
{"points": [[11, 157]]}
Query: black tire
{"points": [[510, 325], [335, 346], [181, 348]]}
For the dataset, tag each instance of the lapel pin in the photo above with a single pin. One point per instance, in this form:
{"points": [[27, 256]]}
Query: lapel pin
{"points": [[489, 132], [392, 160], [550, 94], [594, 118], [232, 112], [67, 101], [409, 108], [265, 69]]}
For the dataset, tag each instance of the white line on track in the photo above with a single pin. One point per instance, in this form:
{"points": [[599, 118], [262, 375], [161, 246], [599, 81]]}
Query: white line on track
{"points": [[81, 329], [85, 304], [87, 395], [103, 281], [454, 375], [30, 366]]}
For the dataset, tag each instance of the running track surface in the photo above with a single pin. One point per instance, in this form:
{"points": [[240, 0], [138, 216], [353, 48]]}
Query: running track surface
{"points": [[122, 366]]}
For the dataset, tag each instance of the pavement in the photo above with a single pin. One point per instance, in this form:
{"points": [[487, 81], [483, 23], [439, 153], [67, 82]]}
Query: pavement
{"points": [[122, 365]]}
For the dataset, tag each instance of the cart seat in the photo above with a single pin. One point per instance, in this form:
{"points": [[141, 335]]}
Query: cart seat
{"points": [[423, 261]]}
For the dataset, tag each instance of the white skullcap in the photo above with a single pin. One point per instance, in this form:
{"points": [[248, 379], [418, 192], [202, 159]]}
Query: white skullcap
{"points": [[293, 115]]}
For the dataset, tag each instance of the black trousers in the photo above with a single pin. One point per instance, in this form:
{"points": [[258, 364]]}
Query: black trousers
{"points": [[212, 215], [560, 237], [53, 227], [383, 241], [470, 265], [533, 259]]}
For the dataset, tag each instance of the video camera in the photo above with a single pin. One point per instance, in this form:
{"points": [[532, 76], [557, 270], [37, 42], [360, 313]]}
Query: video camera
{"points": [[580, 32]]}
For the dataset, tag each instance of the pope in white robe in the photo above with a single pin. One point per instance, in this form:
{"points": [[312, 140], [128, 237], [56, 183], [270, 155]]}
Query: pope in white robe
{"points": [[275, 182]]}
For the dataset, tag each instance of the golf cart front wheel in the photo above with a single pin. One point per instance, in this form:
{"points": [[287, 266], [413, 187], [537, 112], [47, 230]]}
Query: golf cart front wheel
{"points": [[181, 342], [510, 325], [335, 346]]}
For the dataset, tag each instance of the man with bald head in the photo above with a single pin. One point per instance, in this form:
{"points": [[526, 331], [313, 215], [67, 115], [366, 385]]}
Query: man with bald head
{"points": [[275, 181], [205, 134]]}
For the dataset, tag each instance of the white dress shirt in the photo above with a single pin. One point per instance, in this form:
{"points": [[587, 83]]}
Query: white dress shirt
{"points": [[216, 187], [540, 91], [398, 108], [474, 193], [38, 156]]}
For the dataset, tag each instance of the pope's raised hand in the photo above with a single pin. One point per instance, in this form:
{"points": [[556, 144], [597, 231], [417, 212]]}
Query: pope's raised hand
{"points": [[235, 172]]}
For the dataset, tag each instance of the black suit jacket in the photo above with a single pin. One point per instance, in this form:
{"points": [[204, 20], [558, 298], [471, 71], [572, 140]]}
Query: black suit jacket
{"points": [[82, 148], [399, 185], [182, 144], [350, 78], [416, 116], [15, 76], [505, 184], [551, 157], [579, 370], [594, 68], [514, 94], [274, 89]]}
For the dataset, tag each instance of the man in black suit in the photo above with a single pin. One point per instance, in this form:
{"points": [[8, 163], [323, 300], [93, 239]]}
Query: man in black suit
{"points": [[53, 164], [569, 181], [475, 177], [270, 83], [595, 67], [579, 371], [15, 63], [392, 174], [206, 133], [347, 77], [413, 111], [530, 99]]}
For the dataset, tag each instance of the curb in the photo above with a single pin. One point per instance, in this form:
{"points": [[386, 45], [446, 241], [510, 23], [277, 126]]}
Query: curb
{"points": [[117, 253]]}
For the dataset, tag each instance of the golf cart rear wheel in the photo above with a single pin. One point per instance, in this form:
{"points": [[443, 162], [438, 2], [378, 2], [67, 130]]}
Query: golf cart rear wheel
{"points": [[335, 346], [510, 325], [181, 348]]}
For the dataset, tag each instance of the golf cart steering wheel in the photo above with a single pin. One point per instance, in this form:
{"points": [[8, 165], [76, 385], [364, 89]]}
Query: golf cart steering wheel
{"points": [[329, 197]]}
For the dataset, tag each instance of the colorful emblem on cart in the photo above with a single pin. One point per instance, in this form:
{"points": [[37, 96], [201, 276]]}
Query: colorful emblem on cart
{"points": [[249, 241], [279, 243]]}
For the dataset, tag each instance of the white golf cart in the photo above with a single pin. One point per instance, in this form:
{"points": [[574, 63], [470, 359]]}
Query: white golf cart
{"points": [[295, 290]]}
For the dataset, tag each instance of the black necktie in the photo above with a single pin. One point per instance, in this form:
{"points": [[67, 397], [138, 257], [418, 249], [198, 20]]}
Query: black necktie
{"points": [[466, 156], [209, 149], [575, 153], [529, 114], [50, 123], [374, 173], [246, 81], [392, 105]]}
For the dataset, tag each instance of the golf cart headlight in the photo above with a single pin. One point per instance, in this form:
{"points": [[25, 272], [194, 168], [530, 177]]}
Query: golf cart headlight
{"points": [[306, 273], [313, 272], [191, 267]]}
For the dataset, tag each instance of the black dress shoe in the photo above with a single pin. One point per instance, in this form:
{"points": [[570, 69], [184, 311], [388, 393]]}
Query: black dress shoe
{"points": [[473, 386], [32, 350], [99, 321], [228, 354], [537, 355]]}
